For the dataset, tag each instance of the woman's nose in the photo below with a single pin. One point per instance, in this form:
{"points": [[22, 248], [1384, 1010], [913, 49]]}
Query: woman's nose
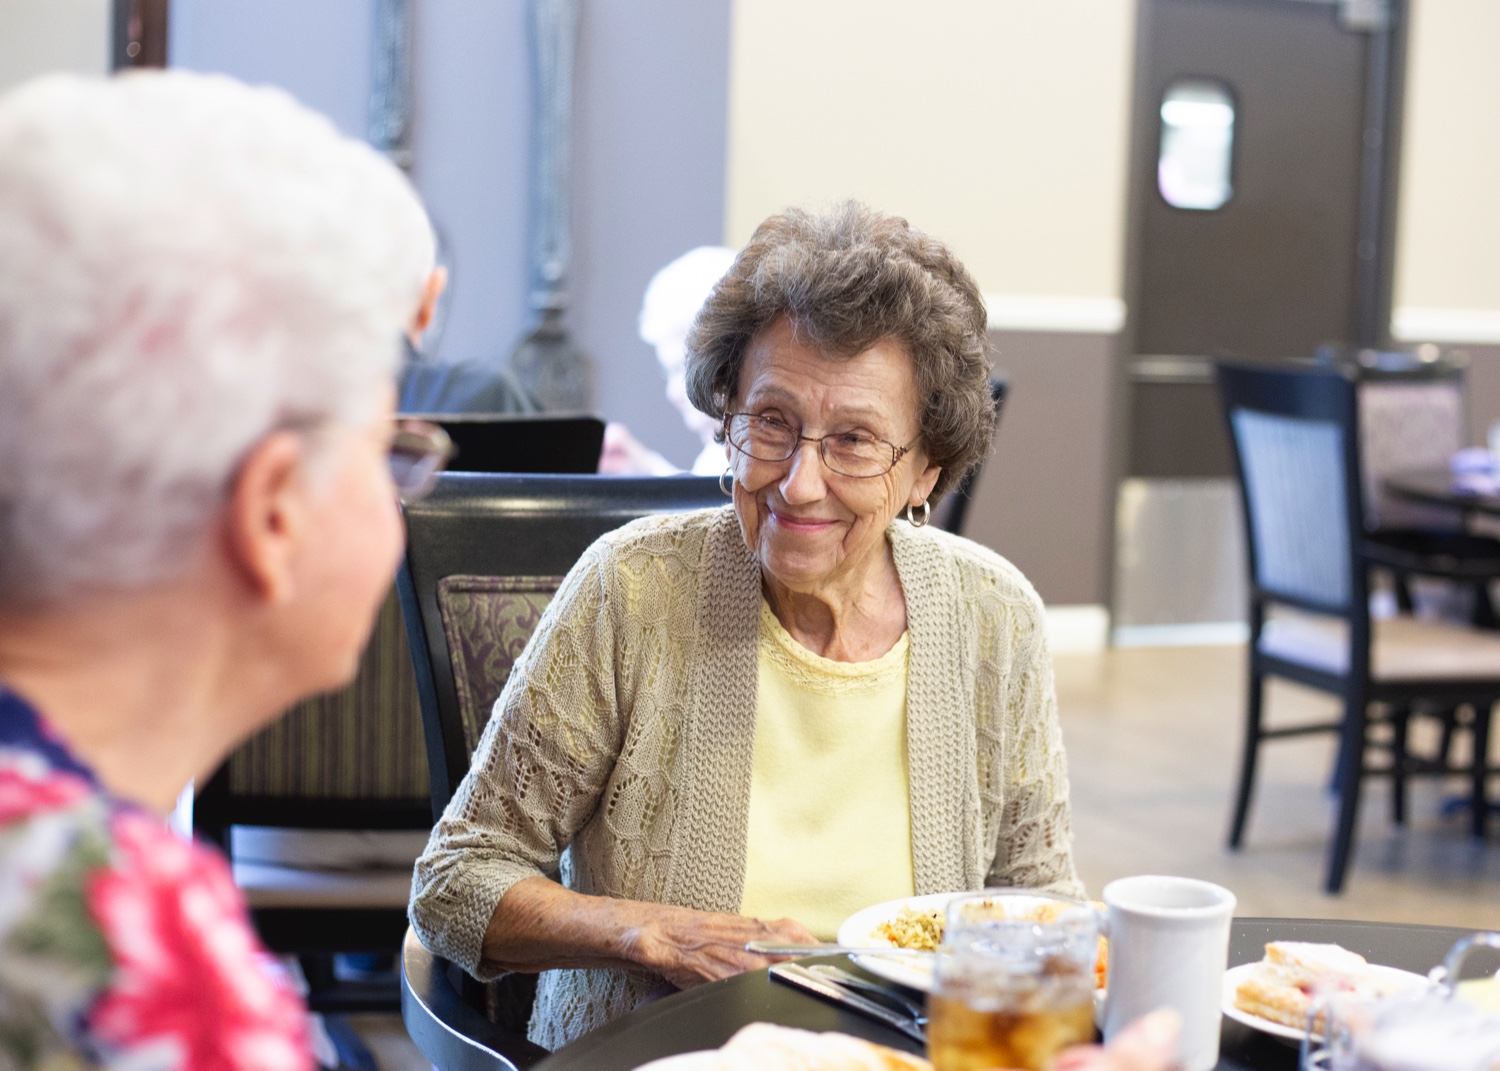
{"points": [[804, 480]]}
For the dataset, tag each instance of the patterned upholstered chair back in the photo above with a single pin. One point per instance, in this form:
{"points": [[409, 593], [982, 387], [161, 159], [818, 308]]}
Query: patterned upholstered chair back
{"points": [[485, 554], [1408, 424], [1291, 432], [487, 621]]}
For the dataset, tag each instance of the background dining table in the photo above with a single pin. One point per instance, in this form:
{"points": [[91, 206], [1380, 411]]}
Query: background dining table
{"points": [[706, 1017], [1439, 487]]}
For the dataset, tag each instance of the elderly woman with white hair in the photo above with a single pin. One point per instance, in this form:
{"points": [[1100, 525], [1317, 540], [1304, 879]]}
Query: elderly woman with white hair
{"points": [[202, 292]]}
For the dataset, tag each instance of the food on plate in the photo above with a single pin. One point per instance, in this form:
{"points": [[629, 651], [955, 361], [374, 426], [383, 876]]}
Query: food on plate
{"points": [[767, 1047], [922, 930], [1282, 986], [918, 930]]}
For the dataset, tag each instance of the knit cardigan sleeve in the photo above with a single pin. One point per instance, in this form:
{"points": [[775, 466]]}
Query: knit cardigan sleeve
{"points": [[536, 775], [1035, 846]]}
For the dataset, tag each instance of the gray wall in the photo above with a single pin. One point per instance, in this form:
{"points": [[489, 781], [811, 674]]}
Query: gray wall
{"points": [[1041, 499], [651, 109]]}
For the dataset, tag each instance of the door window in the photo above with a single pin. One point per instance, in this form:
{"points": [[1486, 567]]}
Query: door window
{"points": [[1197, 144]]}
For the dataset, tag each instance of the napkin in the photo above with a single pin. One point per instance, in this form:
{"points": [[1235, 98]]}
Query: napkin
{"points": [[768, 1047]]}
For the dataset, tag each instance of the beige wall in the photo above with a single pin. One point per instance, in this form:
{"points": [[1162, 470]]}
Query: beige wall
{"points": [[49, 35], [1448, 238], [998, 125]]}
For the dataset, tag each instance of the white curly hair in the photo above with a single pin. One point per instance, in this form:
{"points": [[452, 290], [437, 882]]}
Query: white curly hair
{"points": [[185, 264]]}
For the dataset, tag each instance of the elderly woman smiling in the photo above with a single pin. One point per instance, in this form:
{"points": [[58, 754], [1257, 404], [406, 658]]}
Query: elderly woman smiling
{"points": [[746, 723]]}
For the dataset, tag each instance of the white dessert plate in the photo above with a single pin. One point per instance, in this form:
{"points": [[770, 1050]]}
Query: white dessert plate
{"points": [[1398, 978]]}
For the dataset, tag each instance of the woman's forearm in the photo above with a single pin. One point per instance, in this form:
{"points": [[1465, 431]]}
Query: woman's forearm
{"points": [[539, 925]]}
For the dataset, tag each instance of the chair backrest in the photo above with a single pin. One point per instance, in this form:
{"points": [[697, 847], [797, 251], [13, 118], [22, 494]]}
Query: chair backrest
{"points": [[522, 442], [1295, 443], [351, 759], [952, 511], [1408, 422], [485, 554]]}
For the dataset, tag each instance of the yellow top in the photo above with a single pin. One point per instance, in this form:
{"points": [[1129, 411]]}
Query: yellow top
{"points": [[830, 814]]}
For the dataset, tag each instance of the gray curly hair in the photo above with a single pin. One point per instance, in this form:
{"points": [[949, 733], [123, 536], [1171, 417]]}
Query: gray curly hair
{"points": [[847, 279]]}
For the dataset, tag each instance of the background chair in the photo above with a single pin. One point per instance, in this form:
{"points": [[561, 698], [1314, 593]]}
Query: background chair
{"points": [[513, 442], [1412, 416], [322, 815], [485, 554], [1295, 439], [952, 510]]}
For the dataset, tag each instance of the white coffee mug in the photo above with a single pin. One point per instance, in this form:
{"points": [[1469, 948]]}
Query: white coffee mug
{"points": [[1168, 945]]}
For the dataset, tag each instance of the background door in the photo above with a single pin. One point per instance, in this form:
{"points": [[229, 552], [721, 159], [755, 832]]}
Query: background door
{"points": [[1253, 235]]}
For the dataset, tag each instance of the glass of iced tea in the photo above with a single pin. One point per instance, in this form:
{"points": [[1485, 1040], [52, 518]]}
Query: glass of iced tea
{"points": [[1014, 981]]}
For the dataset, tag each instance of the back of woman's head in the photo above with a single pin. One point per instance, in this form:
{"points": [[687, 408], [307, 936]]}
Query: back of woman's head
{"points": [[185, 264]]}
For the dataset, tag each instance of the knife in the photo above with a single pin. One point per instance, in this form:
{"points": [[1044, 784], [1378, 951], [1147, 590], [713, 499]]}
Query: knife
{"points": [[800, 977], [783, 948]]}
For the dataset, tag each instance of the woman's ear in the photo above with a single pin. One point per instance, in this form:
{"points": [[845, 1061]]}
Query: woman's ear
{"points": [[921, 491], [266, 516], [437, 282]]}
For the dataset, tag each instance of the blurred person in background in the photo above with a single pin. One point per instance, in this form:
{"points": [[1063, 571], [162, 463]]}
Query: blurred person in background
{"points": [[203, 288], [673, 298]]}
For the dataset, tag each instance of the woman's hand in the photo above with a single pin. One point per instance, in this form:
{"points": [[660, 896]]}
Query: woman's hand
{"points": [[690, 947], [539, 925], [1148, 1044]]}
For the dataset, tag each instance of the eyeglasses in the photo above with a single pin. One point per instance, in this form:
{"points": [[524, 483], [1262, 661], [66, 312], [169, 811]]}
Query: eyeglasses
{"points": [[848, 453], [419, 451]]}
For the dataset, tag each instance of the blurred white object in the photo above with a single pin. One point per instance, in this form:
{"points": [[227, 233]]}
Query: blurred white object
{"points": [[673, 298], [1472, 459], [625, 455]]}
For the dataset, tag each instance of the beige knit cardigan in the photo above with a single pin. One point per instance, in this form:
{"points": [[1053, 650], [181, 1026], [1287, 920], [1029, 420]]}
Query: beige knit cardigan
{"points": [[619, 754]]}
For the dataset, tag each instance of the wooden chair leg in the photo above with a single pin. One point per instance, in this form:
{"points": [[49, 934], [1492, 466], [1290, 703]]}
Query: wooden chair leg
{"points": [[1401, 582], [1484, 607], [1350, 781], [1247, 762], [1479, 802], [1445, 744], [1400, 762]]}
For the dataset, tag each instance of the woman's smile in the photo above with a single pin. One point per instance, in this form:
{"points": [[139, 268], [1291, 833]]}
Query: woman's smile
{"points": [[795, 524]]}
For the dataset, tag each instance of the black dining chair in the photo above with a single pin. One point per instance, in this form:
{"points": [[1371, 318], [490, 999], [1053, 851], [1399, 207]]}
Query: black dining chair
{"points": [[951, 513], [485, 554], [1296, 443], [322, 815], [1412, 416]]}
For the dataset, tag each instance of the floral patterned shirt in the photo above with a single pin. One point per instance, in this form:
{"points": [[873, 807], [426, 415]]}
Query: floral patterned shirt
{"points": [[122, 946]]}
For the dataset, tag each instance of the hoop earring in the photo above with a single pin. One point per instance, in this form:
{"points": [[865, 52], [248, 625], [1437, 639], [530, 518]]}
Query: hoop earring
{"points": [[926, 515], [726, 483]]}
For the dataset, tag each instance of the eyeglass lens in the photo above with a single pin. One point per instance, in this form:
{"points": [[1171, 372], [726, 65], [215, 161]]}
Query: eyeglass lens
{"points": [[848, 453], [419, 452]]}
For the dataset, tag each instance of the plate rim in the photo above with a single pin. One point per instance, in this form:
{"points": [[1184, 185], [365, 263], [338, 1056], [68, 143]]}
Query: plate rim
{"points": [[892, 970], [1269, 1026], [901, 971]]}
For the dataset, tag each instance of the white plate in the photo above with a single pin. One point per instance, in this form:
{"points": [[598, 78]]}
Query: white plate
{"points": [[861, 929], [1398, 978]]}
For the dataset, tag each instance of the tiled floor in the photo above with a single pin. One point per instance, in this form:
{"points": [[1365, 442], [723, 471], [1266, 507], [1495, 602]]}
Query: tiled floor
{"points": [[1153, 740]]}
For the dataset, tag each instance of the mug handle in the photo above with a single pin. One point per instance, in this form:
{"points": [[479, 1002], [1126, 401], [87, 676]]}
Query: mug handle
{"points": [[1321, 1057], [1445, 975]]}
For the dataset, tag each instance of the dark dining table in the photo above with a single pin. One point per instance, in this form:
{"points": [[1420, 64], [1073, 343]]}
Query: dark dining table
{"points": [[1437, 487], [706, 1017]]}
